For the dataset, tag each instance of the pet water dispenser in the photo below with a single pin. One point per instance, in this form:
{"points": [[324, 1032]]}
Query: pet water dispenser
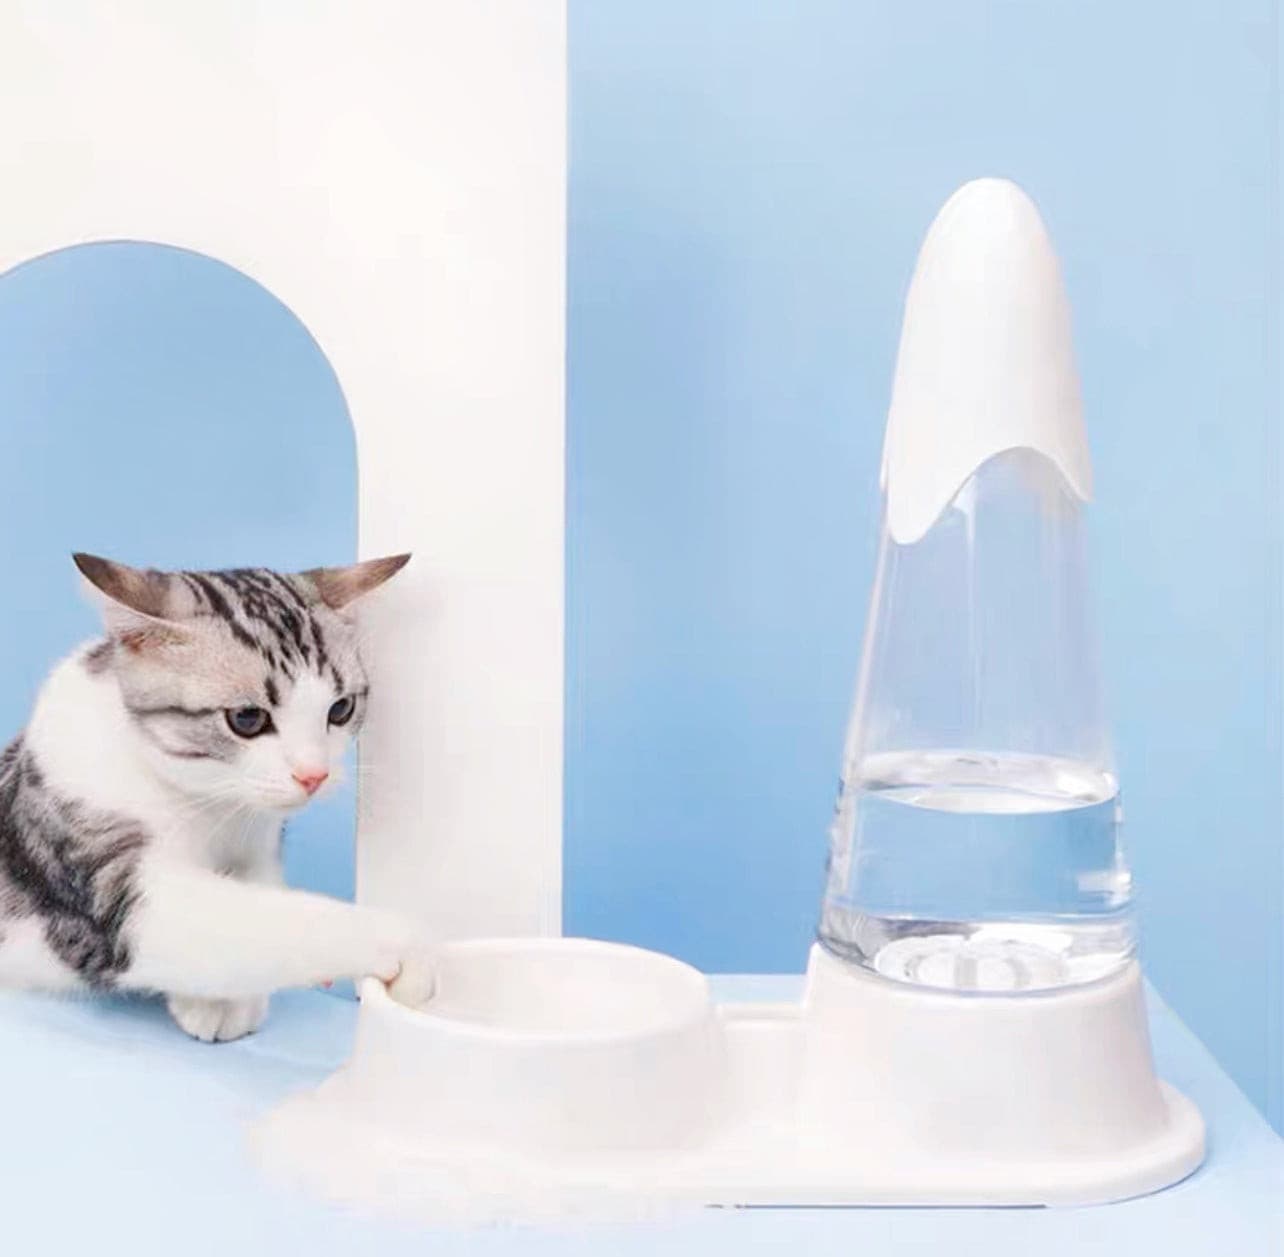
{"points": [[972, 1029]]}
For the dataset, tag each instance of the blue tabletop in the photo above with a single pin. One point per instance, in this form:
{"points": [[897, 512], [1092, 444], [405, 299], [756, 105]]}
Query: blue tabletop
{"points": [[119, 1134]]}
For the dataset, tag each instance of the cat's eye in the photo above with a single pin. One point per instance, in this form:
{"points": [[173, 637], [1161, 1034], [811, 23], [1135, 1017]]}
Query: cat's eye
{"points": [[341, 710], [248, 722]]}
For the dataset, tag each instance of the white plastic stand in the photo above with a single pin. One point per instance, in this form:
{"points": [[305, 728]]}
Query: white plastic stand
{"points": [[566, 1069]]}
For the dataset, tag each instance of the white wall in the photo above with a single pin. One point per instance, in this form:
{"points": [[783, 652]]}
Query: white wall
{"points": [[395, 173]]}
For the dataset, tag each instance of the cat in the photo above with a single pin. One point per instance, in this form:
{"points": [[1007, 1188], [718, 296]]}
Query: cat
{"points": [[141, 809]]}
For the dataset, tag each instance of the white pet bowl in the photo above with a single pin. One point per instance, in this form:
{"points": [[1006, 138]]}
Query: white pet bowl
{"points": [[547, 1046]]}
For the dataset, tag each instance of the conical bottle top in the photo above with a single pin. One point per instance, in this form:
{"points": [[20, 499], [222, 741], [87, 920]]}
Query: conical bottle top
{"points": [[986, 362]]}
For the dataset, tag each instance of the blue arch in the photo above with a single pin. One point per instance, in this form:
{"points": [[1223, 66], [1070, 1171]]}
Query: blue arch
{"points": [[159, 406]]}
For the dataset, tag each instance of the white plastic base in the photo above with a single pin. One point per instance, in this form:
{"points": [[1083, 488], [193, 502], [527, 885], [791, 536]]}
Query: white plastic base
{"points": [[564, 1067]]}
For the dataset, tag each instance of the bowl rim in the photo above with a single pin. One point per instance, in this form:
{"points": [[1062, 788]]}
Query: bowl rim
{"points": [[696, 1008]]}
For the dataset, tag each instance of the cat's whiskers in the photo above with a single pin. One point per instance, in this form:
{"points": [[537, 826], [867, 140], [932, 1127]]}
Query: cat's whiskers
{"points": [[221, 809]]}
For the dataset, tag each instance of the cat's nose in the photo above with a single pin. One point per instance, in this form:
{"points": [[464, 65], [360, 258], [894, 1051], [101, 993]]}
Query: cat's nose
{"points": [[311, 781]]}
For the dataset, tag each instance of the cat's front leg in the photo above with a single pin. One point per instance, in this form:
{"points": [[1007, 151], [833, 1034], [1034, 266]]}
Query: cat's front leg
{"points": [[201, 936], [225, 1020]]}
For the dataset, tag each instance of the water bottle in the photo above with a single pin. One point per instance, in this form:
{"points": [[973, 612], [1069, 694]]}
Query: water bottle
{"points": [[975, 844]]}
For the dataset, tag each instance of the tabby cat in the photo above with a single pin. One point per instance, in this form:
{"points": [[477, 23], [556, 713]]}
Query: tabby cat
{"points": [[141, 810]]}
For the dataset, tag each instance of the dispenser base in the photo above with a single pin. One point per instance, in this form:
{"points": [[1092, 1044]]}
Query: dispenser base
{"points": [[865, 1093]]}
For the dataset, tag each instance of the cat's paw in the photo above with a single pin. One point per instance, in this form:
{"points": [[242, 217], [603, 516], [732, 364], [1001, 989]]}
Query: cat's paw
{"points": [[404, 959], [416, 978], [218, 1020]]}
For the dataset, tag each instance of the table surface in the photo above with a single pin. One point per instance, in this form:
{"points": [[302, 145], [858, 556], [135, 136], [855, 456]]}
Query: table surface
{"points": [[118, 1131]]}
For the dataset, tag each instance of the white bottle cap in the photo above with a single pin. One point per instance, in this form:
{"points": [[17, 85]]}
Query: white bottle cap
{"points": [[986, 362]]}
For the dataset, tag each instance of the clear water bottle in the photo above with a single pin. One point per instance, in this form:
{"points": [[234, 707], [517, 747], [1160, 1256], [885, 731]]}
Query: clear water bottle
{"points": [[975, 842]]}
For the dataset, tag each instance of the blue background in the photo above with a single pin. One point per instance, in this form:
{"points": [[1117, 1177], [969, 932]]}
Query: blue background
{"points": [[749, 185]]}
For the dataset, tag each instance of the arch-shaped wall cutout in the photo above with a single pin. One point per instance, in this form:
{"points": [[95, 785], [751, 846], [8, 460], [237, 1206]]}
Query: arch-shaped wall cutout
{"points": [[161, 406]]}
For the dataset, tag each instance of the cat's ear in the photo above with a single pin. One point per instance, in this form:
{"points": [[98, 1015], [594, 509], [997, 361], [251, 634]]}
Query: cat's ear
{"points": [[134, 603], [338, 587]]}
